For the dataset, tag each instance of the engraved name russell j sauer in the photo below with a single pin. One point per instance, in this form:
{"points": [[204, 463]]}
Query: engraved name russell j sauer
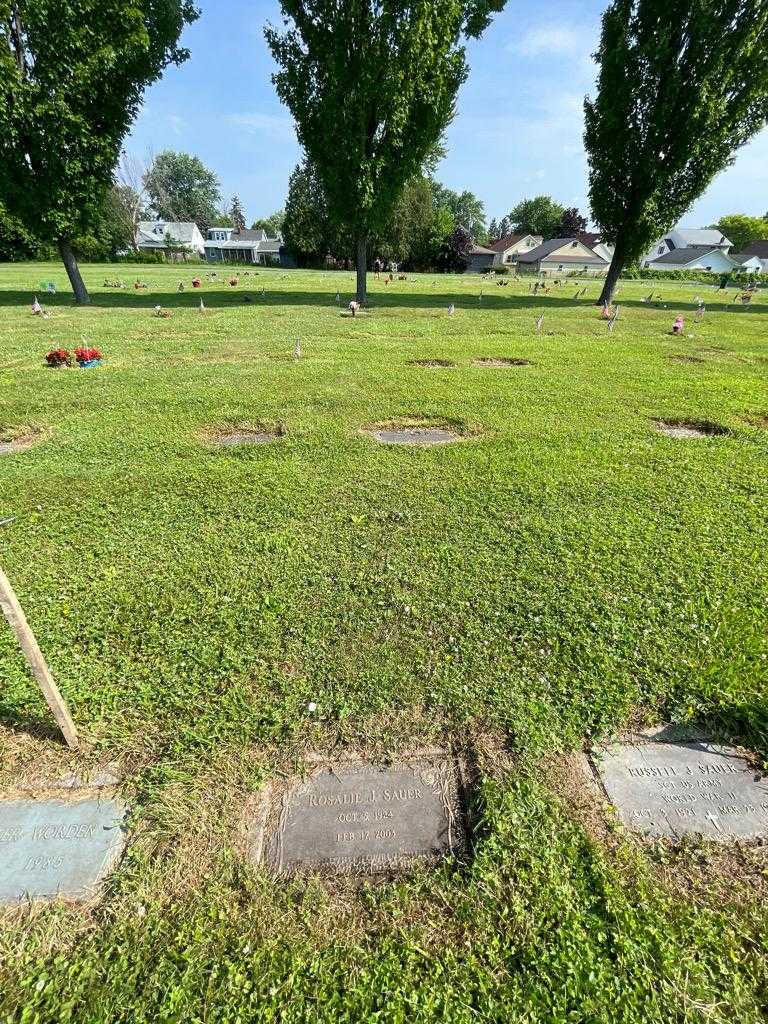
{"points": [[668, 789]]}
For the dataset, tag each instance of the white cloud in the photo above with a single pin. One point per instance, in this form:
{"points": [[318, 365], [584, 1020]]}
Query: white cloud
{"points": [[562, 40], [178, 124], [274, 126]]}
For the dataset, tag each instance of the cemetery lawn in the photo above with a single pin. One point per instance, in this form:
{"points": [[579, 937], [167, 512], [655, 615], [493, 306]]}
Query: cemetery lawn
{"points": [[561, 573]]}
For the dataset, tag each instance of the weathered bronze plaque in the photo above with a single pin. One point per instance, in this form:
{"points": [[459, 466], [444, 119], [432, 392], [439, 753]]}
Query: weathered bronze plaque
{"points": [[57, 847], [359, 818]]}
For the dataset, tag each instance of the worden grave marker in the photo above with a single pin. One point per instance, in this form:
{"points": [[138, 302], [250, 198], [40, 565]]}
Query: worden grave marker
{"points": [[358, 818], [56, 847], [672, 789]]}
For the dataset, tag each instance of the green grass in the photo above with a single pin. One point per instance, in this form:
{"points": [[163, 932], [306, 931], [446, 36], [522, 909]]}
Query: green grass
{"points": [[563, 570]]}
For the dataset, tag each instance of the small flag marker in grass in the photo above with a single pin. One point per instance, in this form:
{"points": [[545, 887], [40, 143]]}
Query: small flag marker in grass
{"points": [[539, 323], [297, 349]]}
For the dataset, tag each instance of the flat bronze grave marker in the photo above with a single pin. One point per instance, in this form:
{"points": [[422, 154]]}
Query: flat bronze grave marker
{"points": [[56, 847], [357, 818], [676, 789]]}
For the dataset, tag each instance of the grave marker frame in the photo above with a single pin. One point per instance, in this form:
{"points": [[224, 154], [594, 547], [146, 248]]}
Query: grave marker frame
{"points": [[356, 816]]}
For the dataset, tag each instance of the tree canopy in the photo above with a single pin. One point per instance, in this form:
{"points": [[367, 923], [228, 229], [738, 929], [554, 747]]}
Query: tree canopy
{"points": [[742, 230], [541, 215], [372, 85], [182, 188], [72, 77], [682, 85]]}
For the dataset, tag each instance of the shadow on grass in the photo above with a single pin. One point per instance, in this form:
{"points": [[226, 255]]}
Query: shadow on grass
{"points": [[38, 728], [229, 298]]}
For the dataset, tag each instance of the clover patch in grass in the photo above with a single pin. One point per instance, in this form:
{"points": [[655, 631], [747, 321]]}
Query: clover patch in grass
{"points": [[500, 363], [18, 439], [686, 430]]}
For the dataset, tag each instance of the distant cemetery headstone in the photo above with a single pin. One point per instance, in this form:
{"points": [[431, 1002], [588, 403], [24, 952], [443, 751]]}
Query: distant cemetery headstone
{"points": [[675, 789], [56, 847], [357, 818]]}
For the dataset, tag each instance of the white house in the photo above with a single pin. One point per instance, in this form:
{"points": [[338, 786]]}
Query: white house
{"points": [[752, 264], [593, 241], [155, 235], [758, 250], [686, 238], [562, 256], [695, 257], [226, 245], [507, 249]]}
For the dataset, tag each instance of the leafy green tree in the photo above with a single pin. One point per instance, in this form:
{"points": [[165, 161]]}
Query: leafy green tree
{"points": [[505, 227], [682, 85], [493, 231], [72, 77], [237, 215], [182, 188], [372, 85], [16, 242], [308, 230], [273, 225], [538, 216], [572, 224], [465, 208], [418, 227], [456, 250], [742, 230]]}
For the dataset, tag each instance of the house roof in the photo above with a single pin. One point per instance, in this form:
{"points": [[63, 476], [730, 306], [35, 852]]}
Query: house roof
{"points": [[743, 257], [541, 252], [502, 244], [589, 238], [759, 249], [246, 240], [481, 250], [153, 232], [713, 237], [682, 257]]}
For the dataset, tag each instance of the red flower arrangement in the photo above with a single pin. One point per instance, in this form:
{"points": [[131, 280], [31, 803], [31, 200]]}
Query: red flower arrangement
{"points": [[59, 357], [87, 355]]}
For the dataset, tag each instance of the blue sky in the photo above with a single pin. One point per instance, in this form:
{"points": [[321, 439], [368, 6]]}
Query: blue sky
{"points": [[517, 131]]}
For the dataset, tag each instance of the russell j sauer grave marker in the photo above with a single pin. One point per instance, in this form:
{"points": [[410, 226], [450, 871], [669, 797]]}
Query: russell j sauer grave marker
{"points": [[56, 847], [359, 818], [671, 789]]}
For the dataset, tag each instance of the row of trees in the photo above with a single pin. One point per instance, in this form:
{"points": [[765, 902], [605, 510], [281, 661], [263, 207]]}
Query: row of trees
{"points": [[541, 215], [372, 85], [415, 235]]}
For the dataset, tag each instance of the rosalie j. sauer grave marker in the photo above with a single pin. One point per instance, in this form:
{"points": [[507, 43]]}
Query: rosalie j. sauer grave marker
{"points": [[672, 789], [56, 847], [357, 818]]}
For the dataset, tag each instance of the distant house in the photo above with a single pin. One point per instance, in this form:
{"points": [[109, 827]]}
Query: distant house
{"points": [[562, 256], [687, 238], [480, 259], [593, 241], [758, 250], [745, 262], [507, 249], [226, 245], [695, 257], [167, 235]]}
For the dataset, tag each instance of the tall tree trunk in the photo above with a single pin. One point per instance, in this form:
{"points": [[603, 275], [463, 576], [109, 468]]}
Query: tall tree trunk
{"points": [[614, 271], [82, 298], [362, 271]]}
